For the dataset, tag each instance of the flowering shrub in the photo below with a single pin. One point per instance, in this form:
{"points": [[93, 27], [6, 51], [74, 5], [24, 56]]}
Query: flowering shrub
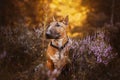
{"points": [[21, 47], [101, 48], [96, 45], [88, 55], [22, 56], [21, 36]]}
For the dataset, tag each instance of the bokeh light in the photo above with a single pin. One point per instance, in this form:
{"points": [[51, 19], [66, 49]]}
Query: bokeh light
{"points": [[73, 8]]}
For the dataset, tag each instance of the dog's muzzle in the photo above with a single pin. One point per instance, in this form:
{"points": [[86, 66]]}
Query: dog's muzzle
{"points": [[48, 36], [53, 36]]}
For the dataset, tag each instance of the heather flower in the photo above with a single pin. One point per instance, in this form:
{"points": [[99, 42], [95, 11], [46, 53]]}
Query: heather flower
{"points": [[96, 45]]}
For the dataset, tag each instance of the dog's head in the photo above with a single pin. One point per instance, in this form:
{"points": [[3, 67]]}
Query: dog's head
{"points": [[57, 29]]}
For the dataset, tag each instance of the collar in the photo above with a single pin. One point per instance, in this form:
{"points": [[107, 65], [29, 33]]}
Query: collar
{"points": [[58, 47]]}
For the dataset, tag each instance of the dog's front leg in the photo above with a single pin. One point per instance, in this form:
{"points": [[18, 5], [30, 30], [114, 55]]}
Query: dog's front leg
{"points": [[50, 65]]}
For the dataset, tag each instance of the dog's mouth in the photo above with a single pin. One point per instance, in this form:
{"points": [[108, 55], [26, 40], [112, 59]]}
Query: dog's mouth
{"points": [[49, 36]]}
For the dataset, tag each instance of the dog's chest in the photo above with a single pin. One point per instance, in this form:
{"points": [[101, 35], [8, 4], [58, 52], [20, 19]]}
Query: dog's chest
{"points": [[58, 56], [60, 43]]}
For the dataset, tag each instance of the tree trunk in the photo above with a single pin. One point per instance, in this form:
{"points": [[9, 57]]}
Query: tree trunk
{"points": [[112, 13]]}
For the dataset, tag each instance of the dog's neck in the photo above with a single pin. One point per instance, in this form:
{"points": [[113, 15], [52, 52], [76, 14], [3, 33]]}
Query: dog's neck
{"points": [[59, 42]]}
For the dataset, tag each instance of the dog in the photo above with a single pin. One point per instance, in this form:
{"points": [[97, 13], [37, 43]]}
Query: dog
{"points": [[57, 54]]}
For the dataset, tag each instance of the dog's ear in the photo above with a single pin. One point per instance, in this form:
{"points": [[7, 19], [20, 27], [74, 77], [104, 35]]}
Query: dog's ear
{"points": [[66, 20], [54, 18]]}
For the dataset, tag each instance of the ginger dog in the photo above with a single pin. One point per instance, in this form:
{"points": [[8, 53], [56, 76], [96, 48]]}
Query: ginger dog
{"points": [[58, 49]]}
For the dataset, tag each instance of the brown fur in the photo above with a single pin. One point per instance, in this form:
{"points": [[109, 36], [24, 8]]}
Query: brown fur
{"points": [[57, 33], [51, 52]]}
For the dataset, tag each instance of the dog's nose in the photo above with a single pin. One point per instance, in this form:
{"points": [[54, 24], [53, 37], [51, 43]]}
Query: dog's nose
{"points": [[47, 34]]}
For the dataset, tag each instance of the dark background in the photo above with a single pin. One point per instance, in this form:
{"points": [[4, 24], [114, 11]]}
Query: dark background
{"points": [[23, 44]]}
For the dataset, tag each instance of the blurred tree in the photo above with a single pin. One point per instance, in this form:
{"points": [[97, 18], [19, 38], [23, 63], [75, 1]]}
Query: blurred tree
{"points": [[105, 6], [29, 11]]}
